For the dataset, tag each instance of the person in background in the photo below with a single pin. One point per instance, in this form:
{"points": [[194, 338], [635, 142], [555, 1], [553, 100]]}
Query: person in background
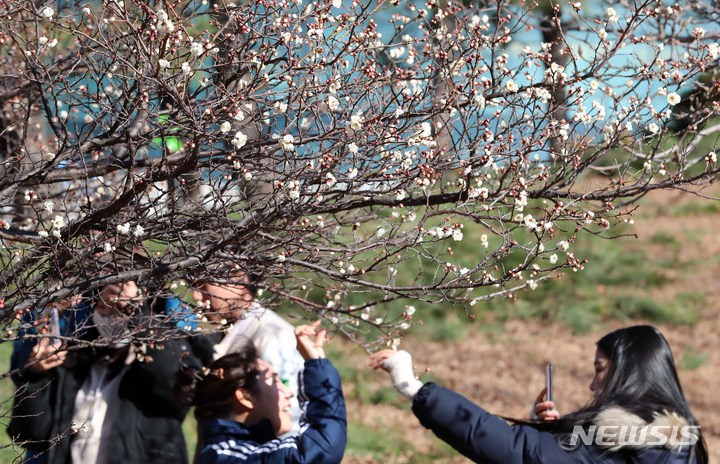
{"points": [[101, 398], [235, 316], [243, 407], [635, 384]]}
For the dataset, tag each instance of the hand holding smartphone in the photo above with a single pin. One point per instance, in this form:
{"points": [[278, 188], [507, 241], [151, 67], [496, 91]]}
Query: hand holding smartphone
{"points": [[549, 382], [54, 326]]}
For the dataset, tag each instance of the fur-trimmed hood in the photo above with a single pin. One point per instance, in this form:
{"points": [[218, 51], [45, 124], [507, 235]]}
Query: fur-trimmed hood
{"points": [[620, 428]]}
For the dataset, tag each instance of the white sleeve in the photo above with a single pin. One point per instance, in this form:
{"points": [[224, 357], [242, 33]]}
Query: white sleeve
{"points": [[401, 372]]}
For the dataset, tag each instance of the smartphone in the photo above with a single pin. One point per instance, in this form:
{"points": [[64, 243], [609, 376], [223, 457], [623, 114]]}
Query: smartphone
{"points": [[54, 326], [549, 382]]}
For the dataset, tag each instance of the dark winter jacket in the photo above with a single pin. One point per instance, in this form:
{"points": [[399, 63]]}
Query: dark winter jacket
{"points": [[321, 439], [147, 428], [486, 438]]}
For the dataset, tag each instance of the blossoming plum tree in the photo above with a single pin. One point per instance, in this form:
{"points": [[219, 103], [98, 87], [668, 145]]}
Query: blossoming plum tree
{"points": [[338, 148]]}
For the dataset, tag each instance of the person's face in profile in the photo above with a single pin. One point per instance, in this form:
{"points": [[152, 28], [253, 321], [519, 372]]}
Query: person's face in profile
{"points": [[223, 301], [271, 400], [602, 368]]}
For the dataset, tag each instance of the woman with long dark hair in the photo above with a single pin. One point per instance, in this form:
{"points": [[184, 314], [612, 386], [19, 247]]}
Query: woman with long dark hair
{"points": [[243, 407], [639, 413]]}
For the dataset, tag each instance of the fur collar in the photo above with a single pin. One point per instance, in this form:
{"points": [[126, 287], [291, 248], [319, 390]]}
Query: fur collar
{"points": [[624, 429]]}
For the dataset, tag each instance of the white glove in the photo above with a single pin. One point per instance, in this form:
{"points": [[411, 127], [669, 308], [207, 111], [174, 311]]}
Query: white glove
{"points": [[401, 372]]}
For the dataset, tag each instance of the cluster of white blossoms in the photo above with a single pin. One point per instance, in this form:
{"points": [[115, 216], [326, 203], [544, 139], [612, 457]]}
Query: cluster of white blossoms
{"points": [[287, 142], [430, 128], [124, 229], [163, 22]]}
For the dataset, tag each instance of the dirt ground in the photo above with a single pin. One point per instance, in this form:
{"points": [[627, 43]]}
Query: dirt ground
{"points": [[504, 372]]}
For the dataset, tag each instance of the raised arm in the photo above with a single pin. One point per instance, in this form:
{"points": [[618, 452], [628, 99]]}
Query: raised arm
{"points": [[324, 433], [470, 429]]}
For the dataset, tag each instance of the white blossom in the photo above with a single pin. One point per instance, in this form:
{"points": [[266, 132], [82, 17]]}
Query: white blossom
{"points": [[58, 222], [186, 68], [333, 103], [511, 86], [49, 206], [673, 98], [553, 258], [612, 15], [239, 140], [713, 50], [457, 235], [47, 12], [330, 180], [225, 127], [698, 32], [139, 231], [124, 228], [484, 240], [355, 123], [530, 222], [196, 49], [286, 142], [280, 107], [563, 245], [353, 148], [163, 63]]}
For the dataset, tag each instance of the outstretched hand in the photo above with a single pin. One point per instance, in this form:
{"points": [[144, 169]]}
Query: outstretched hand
{"points": [[400, 366], [377, 360], [310, 340], [45, 355], [545, 410]]}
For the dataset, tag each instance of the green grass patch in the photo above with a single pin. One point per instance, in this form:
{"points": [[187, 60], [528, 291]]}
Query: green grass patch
{"points": [[696, 208], [386, 445], [691, 359], [8, 453], [663, 238]]}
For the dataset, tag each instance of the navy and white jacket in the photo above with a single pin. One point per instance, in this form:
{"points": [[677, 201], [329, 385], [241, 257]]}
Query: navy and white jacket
{"points": [[321, 439], [486, 438]]}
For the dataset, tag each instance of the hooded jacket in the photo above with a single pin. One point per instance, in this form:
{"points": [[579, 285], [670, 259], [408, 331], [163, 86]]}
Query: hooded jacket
{"points": [[321, 439], [486, 438]]}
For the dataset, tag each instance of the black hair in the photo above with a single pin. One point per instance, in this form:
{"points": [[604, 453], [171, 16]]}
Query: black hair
{"points": [[250, 281], [212, 390], [642, 379]]}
